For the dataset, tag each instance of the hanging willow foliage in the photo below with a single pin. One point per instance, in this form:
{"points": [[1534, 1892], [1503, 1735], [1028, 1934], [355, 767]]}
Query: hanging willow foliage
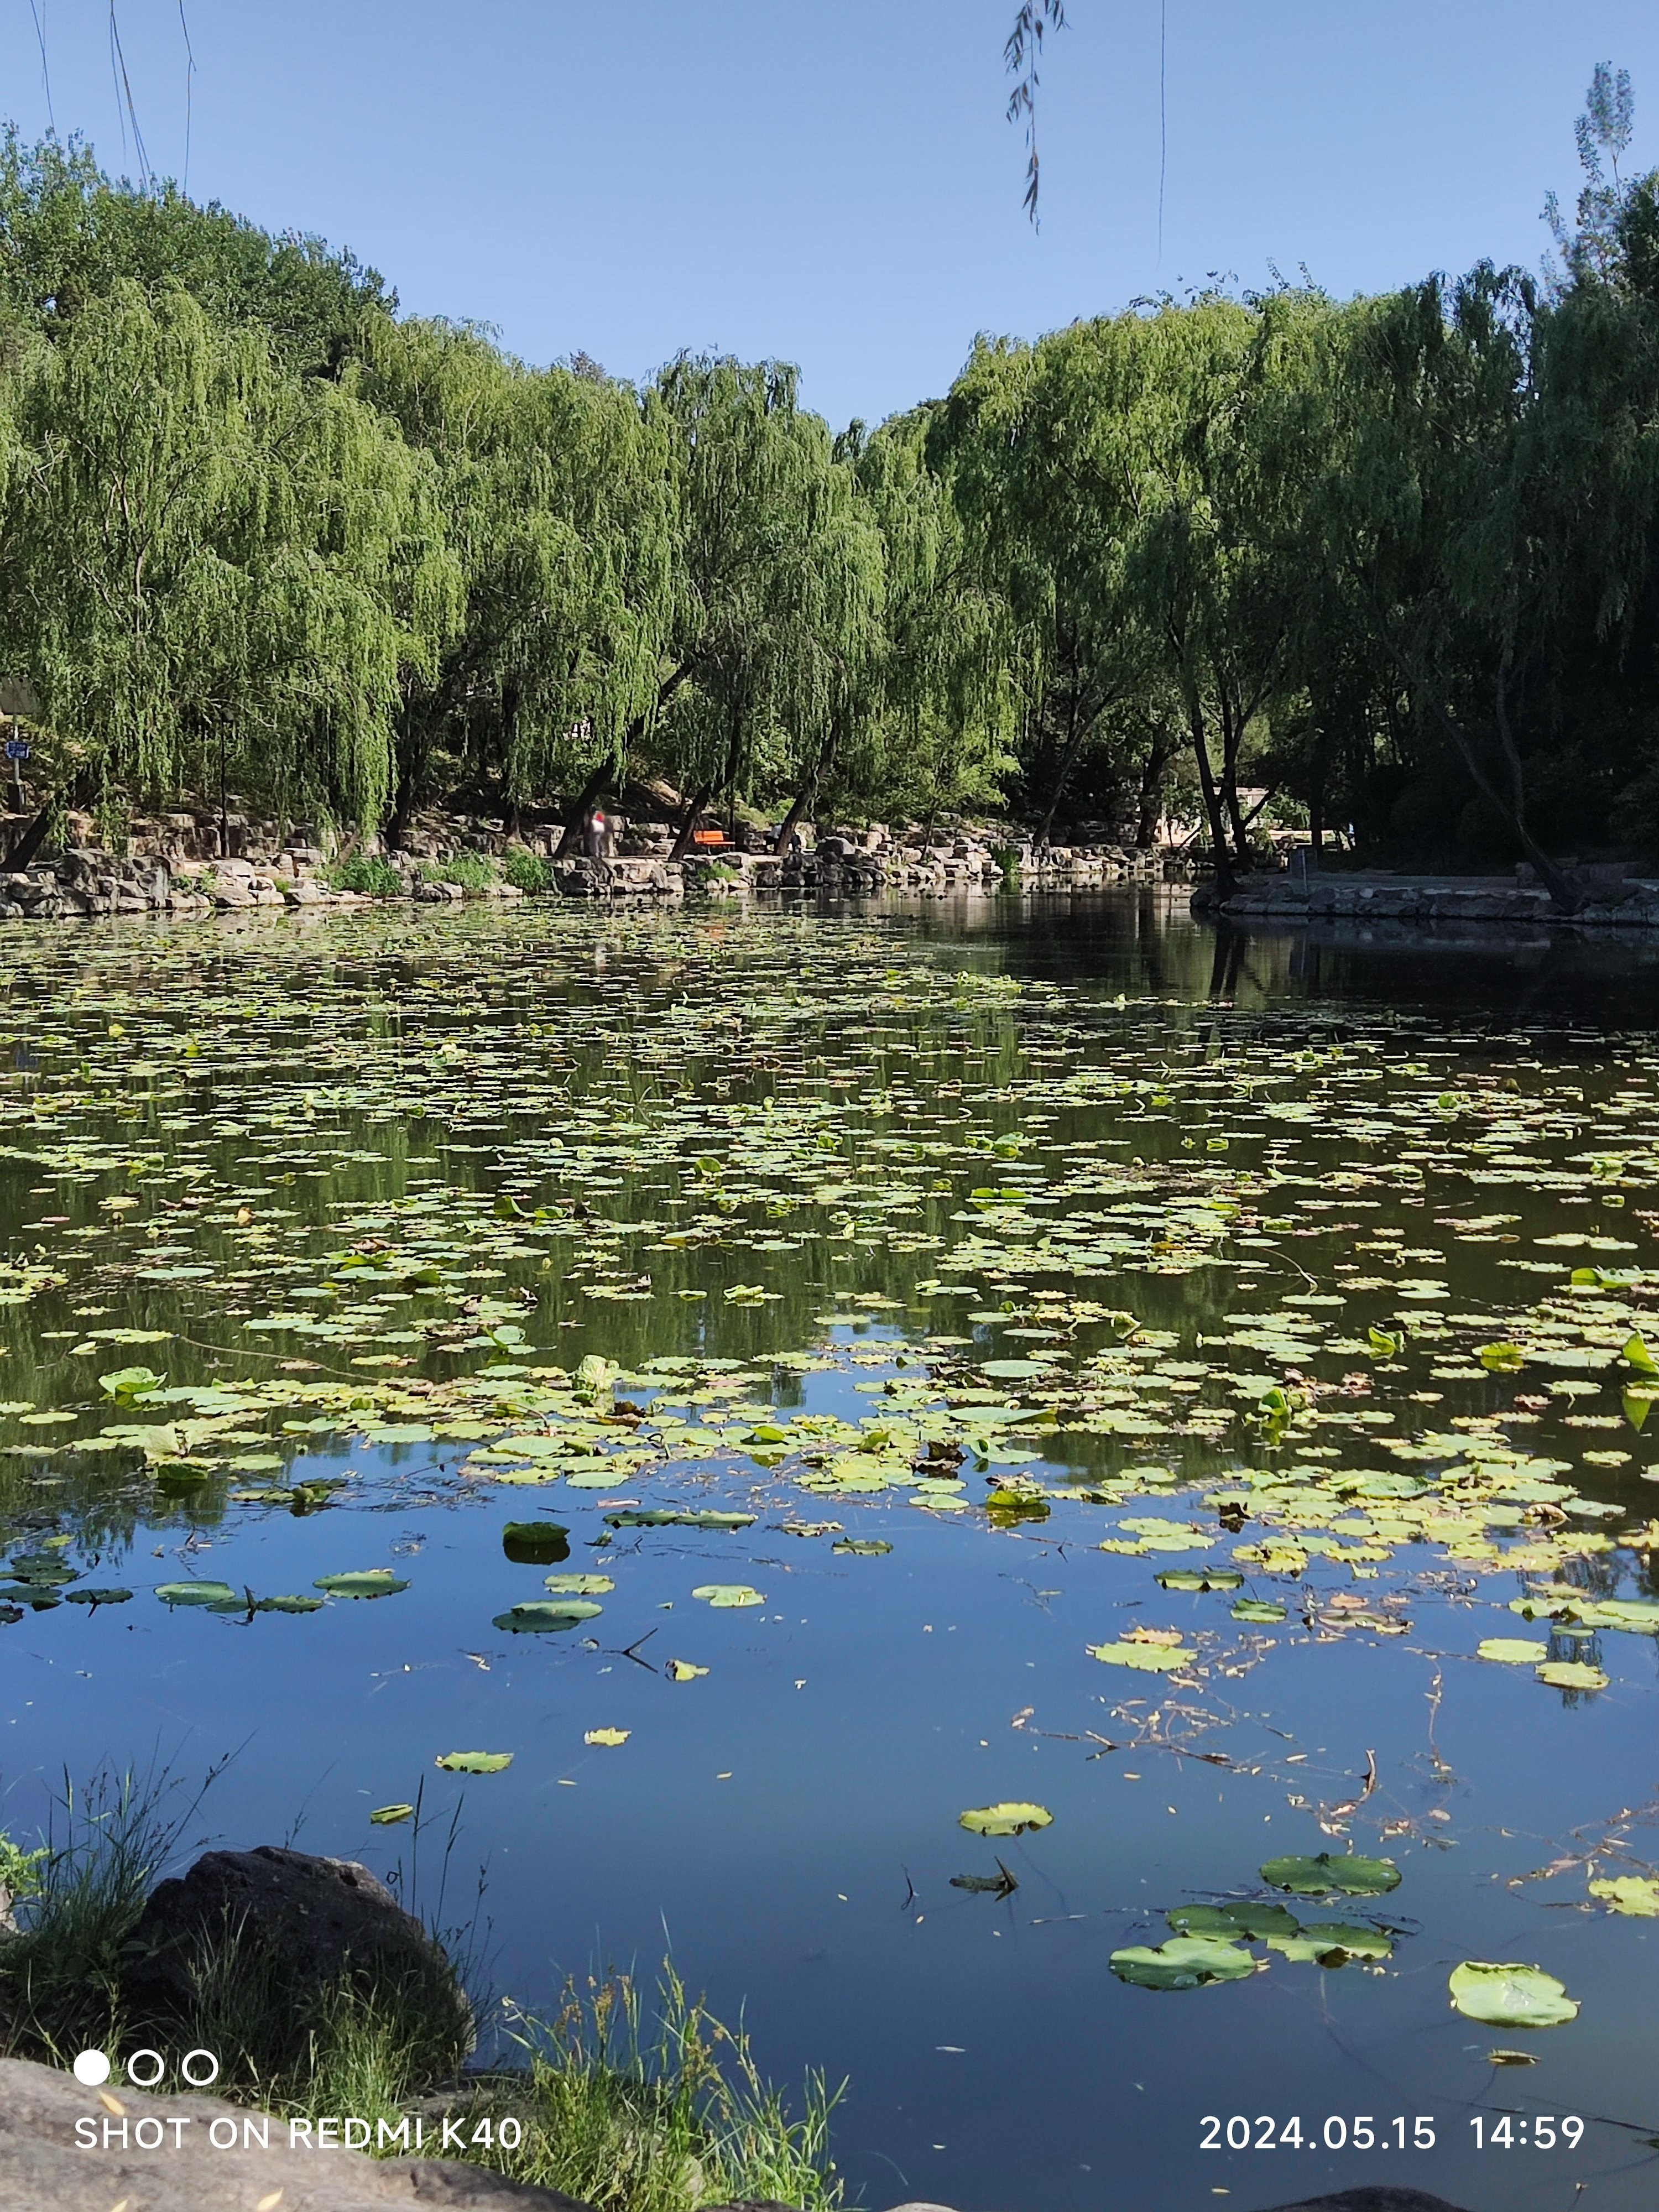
{"points": [[204, 558]]}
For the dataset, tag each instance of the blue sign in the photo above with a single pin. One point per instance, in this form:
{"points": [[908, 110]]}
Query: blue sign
{"points": [[17, 749]]}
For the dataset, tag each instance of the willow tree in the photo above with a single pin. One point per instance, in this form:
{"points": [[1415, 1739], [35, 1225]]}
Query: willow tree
{"points": [[211, 570], [777, 582], [927, 722], [556, 492]]}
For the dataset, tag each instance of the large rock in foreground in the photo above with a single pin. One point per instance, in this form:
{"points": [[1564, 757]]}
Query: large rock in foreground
{"points": [[43, 2168], [315, 1921]]}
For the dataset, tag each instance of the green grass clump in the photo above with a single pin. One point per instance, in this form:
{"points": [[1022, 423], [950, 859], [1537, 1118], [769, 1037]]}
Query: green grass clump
{"points": [[369, 875], [474, 872], [663, 2119], [527, 872]]}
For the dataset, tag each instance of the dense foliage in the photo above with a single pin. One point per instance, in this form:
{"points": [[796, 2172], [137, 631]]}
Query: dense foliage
{"points": [[1390, 562]]}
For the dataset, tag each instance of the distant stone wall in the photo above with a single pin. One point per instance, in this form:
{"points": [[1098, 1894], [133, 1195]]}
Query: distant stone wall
{"points": [[1286, 899]]}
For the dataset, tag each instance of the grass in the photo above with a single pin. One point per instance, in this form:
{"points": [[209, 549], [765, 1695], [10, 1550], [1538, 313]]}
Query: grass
{"points": [[369, 875], [527, 872], [474, 872], [625, 2114]]}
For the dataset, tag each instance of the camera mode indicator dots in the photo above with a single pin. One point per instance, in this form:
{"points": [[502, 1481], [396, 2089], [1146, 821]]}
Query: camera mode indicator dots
{"points": [[92, 2068]]}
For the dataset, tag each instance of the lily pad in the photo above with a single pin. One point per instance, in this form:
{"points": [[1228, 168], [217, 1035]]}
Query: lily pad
{"points": [[1145, 1658], [728, 1596], [546, 1616], [370, 1582], [1326, 1875], [1257, 1608], [1512, 1650], [97, 1597], [474, 1762], [194, 1593], [682, 1670], [579, 1585], [1571, 1674], [1511, 1996], [1010, 1819], [1185, 1962], [1200, 1578], [388, 1816], [1635, 1895], [608, 1738]]}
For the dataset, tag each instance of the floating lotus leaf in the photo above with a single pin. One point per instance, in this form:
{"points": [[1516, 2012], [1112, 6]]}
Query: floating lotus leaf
{"points": [[610, 1738], [388, 1816], [1200, 1578], [1571, 1674], [1185, 1962], [1635, 1895], [194, 1593], [1325, 1876], [727, 1596], [1230, 1921], [579, 1585], [1146, 1658], [862, 1547], [546, 1616], [1004, 1819], [289, 1605], [1512, 1650], [682, 1670], [1510, 1996], [658, 1517], [369, 1582], [1257, 1608], [474, 1762], [536, 1543], [97, 1597]]}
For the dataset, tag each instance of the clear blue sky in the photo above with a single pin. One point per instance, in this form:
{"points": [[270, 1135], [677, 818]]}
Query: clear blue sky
{"points": [[831, 180]]}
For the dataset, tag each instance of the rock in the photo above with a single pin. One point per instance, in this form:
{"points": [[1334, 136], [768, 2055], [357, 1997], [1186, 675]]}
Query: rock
{"points": [[316, 1919], [1370, 2200], [43, 2168]]}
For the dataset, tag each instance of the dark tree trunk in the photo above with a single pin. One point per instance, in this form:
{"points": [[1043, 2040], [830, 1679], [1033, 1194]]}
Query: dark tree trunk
{"points": [[1151, 811], [695, 805], [1213, 814], [34, 834], [1079, 726], [582, 806], [808, 792]]}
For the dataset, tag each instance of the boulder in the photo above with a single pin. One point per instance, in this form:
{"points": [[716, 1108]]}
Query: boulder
{"points": [[1370, 2200], [43, 2167], [316, 1920]]}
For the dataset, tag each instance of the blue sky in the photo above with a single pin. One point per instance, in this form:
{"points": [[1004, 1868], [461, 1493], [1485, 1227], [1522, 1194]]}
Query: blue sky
{"points": [[832, 181]]}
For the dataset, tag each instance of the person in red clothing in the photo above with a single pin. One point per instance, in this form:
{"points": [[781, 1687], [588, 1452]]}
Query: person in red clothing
{"points": [[598, 833]]}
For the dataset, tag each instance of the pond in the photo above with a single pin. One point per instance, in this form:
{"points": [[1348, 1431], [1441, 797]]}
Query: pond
{"points": [[795, 1380]]}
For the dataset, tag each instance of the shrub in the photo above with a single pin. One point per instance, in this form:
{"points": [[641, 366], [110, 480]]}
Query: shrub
{"points": [[474, 872], [528, 871], [370, 876]]}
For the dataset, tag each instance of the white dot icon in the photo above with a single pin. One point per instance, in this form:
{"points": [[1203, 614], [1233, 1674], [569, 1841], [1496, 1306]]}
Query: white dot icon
{"points": [[92, 2068]]}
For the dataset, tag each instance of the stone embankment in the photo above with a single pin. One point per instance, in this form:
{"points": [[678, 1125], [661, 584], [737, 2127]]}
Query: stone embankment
{"points": [[174, 876], [1435, 901]]}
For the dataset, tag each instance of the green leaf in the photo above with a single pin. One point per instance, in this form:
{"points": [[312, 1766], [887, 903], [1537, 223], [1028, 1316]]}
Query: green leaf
{"points": [[546, 1616], [1185, 1962], [1635, 1895], [194, 1593], [1502, 1358], [1325, 1876], [1230, 1921], [724, 1597], [1200, 1578], [1257, 1608], [369, 1582], [1571, 1674], [1145, 1658], [579, 1585], [388, 1816], [1512, 1650], [474, 1762], [1510, 1996], [1009, 1819], [1638, 1356], [97, 1597]]}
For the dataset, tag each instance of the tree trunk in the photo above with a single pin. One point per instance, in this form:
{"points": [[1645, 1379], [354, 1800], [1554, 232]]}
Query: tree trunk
{"points": [[1224, 878], [33, 835], [1316, 804], [1232, 738], [698, 800], [808, 791], [582, 805], [1151, 811], [1080, 727]]}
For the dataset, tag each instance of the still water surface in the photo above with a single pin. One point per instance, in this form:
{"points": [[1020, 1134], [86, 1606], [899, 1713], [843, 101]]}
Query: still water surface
{"points": [[1242, 1258]]}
